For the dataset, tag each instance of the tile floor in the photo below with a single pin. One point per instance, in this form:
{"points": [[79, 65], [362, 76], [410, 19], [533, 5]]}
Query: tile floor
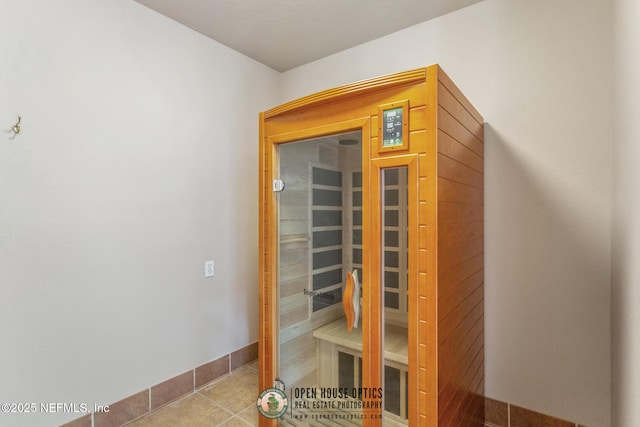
{"points": [[229, 401]]}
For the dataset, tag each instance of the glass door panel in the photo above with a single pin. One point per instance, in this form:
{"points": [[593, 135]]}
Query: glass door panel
{"points": [[395, 293], [320, 269]]}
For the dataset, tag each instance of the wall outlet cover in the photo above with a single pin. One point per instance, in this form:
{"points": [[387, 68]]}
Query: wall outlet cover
{"points": [[209, 269]]}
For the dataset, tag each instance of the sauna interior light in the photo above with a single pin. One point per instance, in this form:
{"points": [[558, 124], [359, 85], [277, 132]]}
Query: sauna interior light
{"points": [[348, 142]]}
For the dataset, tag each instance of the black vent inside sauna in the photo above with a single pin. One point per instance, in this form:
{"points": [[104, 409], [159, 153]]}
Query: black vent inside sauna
{"points": [[356, 218], [395, 222], [326, 235]]}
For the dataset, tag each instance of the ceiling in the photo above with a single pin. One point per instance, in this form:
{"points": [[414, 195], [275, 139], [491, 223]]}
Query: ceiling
{"points": [[285, 34]]}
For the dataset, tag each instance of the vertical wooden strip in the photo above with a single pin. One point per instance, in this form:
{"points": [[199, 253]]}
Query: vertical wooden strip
{"points": [[266, 360], [372, 334], [414, 185], [263, 230], [430, 382]]}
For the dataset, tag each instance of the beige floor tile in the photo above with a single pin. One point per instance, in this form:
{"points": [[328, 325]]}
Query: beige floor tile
{"points": [[193, 410], [235, 392], [250, 415], [229, 402], [235, 422]]}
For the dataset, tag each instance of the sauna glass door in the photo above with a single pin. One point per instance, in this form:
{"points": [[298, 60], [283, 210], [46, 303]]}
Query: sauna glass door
{"points": [[320, 272]]}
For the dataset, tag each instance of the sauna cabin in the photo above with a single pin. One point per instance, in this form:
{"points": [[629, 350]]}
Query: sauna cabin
{"points": [[371, 255]]}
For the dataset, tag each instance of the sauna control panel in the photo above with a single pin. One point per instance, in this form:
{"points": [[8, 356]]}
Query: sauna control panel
{"points": [[392, 127]]}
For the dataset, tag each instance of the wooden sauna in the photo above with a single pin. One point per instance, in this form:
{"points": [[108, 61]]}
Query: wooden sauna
{"points": [[372, 255]]}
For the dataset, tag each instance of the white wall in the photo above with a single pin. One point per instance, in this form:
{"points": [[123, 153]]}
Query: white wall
{"points": [[137, 162], [626, 224], [540, 74]]}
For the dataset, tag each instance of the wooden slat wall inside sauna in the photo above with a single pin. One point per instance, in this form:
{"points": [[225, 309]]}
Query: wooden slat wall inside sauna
{"points": [[460, 259]]}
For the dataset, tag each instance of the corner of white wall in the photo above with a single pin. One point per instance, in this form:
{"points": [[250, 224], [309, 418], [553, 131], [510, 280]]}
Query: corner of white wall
{"points": [[625, 293]]}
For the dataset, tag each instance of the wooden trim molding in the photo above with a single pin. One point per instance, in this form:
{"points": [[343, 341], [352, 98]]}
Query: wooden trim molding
{"points": [[354, 89]]}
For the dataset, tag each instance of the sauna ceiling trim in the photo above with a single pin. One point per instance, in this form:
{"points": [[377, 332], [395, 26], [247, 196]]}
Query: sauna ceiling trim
{"points": [[285, 34]]}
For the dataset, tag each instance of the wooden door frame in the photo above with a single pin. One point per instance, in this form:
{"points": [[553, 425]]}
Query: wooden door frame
{"points": [[410, 161], [268, 242]]}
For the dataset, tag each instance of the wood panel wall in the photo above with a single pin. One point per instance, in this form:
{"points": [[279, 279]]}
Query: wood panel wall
{"points": [[460, 170]]}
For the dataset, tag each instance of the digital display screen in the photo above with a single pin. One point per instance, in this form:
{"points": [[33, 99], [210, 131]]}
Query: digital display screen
{"points": [[392, 127]]}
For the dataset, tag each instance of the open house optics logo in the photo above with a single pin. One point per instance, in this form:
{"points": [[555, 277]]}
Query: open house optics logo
{"points": [[321, 403], [272, 403]]}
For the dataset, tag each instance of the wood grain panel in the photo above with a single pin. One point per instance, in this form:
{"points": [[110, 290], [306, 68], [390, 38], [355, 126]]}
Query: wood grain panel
{"points": [[447, 101], [460, 243], [457, 356], [476, 410], [464, 357], [422, 285], [418, 141], [373, 132], [457, 172], [422, 237], [460, 272], [446, 81], [461, 374], [417, 118], [424, 190], [423, 306], [457, 235], [454, 192], [460, 258], [454, 256], [465, 410], [423, 404], [476, 407], [423, 259], [459, 320], [372, 295], [459, 398], [456, 150], [423, 166], [424, 214], [449, 125], [456, 294], [453, 213], [422, 359], [467, 378]]}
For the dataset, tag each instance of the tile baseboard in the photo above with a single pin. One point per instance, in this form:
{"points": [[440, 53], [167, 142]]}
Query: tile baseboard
{"points": [[159, 395], [503, 414], [497, 413]]}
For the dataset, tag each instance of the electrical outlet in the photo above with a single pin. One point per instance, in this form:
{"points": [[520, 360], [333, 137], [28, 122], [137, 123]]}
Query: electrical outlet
{"points": [[209, 269]]}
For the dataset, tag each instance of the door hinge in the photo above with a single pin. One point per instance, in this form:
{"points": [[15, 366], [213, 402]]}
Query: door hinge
{"points": [[278, 185]]}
